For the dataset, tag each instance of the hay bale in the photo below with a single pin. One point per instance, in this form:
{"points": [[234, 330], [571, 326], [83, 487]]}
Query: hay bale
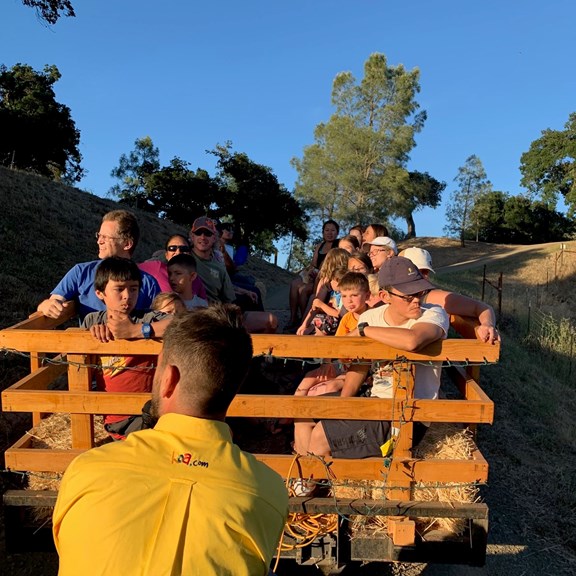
{"points": [[441, 442], [445, 442], [54, 432]]}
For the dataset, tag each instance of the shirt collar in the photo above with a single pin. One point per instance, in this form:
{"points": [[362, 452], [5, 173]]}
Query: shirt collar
{"points": [[182, 425]]}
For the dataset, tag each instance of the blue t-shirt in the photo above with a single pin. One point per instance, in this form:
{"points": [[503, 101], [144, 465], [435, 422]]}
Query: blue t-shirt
{"points": [[78, 284]]}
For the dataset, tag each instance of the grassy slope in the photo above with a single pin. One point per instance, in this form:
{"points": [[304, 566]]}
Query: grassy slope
{"points": [[46, 228]]}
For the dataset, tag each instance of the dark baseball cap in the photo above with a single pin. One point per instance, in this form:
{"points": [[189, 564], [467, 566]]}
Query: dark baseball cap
{"points": [[204, 223], [402, 274]]}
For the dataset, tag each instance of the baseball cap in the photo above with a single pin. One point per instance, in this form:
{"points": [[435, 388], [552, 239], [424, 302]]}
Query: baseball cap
{"points": [[383, 241], [403, 274], [420, 257], [204, 223]]}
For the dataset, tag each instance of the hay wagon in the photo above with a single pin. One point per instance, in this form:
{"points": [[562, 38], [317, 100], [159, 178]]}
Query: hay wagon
{"points": [[394, 508]]}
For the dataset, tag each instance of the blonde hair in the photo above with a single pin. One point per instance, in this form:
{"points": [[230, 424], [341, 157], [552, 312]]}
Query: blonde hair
{"points": [[374, 284], [336, 259], [166, 298]]}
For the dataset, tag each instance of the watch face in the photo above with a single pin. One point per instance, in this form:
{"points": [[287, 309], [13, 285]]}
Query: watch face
{"points": [[146, 330]]}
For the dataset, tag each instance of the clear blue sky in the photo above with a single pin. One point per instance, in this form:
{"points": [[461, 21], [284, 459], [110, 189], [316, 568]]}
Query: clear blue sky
{"points": [[494, 74]]}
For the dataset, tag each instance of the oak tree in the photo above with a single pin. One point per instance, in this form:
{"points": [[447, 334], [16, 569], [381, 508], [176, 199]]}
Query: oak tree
{"points": [[38, 133], [549, 167]]}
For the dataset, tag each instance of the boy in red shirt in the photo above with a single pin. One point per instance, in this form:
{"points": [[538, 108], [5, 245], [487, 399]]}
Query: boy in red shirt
{"points": [[117, 283]]}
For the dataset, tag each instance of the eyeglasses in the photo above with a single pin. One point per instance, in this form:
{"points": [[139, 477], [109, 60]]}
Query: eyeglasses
{"points": [[178, 248], [357, 269], [374, 252], [410, 297], [203, 232], [103, 237]]}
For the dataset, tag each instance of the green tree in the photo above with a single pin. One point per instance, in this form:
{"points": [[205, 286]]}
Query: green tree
{"points": [[38, 133], [488, 217], [549, 167], [472, 184], [51, 10], [132, 171], [354, 170], [412, 192], [179, 194], [262, 209]]}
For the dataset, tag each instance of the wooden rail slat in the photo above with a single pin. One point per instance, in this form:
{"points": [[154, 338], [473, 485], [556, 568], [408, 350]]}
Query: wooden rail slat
{"points": [[75, 340], [402, 470], [260, 406]]}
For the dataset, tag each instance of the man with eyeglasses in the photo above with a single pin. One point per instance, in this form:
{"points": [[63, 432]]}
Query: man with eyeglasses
{"points": [[402, 322], [118, 236]]}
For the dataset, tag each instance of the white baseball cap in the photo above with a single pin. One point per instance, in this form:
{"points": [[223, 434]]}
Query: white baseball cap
{"points": [[383, 241], [420, 258]]}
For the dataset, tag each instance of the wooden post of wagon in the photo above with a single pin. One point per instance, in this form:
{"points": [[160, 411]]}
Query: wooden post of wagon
{"points": [[79, 379], [401, 529]]}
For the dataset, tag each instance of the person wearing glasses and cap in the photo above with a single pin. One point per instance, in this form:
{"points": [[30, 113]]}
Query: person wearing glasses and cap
{"points": [[454, 303], [219, 287], [404, 323], [379, 250], [118, 236]]}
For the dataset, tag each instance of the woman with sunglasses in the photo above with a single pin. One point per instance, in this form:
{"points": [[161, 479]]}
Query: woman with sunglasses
{"points": [[176, 244]]}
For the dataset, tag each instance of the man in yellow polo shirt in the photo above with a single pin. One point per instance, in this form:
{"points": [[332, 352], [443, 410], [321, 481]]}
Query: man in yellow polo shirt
{"points": [[181, 498]]}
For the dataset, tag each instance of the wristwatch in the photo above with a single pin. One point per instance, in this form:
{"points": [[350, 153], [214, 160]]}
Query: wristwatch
{"points": [[146, 330], [361, 327]]}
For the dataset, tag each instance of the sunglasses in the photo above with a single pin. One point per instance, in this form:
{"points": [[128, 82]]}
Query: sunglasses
{"points": [[202, 232], [410, 297], [177, 247]]}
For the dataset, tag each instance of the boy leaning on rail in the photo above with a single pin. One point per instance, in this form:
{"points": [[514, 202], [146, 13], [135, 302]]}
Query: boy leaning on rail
{"points": [[117, 284]]}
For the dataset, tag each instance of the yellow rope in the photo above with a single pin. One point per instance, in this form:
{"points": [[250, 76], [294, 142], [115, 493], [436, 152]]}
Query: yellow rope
{"points": [[303, 528]]}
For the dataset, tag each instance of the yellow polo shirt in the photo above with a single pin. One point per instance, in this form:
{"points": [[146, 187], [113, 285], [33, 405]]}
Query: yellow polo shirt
{"points": [[178, 499]]}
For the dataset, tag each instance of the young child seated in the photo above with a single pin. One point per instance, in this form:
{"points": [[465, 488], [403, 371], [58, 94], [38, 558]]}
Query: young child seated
{"points": [[117, 283], [169, 303], [181, 273], [325, 316], [355, 292]]}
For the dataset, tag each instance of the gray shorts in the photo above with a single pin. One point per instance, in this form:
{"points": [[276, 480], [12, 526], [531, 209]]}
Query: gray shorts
{"points": [[356, 438]]}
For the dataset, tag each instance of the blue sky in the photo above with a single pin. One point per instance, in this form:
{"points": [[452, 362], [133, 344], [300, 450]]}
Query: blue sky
{"points": [[494, 74]]}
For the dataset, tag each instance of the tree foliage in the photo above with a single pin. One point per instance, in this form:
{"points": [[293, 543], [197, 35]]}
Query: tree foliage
{"points": [[250, 195], [51, 10], [242, 191], [132, 171], [472, 185], [355, 171], [518, 220], [38, 133], [549, 167]]}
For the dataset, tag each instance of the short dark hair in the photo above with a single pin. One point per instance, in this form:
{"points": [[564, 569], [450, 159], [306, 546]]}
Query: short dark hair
{"points": [[334, 223], [169, 241], [212, 351], [127, 225], [354, 280], [187, 261], [117, 269]]}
